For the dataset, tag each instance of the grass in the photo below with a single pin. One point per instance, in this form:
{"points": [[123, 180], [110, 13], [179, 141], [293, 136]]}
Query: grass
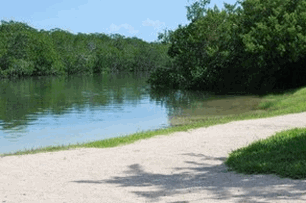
{"points": [[283, 154]]}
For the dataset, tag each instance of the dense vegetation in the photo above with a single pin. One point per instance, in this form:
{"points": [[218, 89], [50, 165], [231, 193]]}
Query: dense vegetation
{"points": [[25, 51], [260, 45]]}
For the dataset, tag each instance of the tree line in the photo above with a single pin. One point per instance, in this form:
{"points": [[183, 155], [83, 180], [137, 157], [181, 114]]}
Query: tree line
{"points": [[25, 51], [251, 46]]}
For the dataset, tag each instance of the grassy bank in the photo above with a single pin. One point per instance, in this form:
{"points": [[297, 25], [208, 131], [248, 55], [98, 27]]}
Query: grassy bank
{"points": [[283, 154], [292, 101]]}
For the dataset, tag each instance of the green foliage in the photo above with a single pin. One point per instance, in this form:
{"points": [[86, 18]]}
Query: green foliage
{"points": [[197, 10], [257, 47], [14, 48], [18, 67], [200, 50], [276, 32], [163, 78], [165, 37], [43, 54], [24, 51]]}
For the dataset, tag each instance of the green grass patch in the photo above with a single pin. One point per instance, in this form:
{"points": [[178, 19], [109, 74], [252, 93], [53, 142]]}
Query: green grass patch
{"points": [[283, 154]]}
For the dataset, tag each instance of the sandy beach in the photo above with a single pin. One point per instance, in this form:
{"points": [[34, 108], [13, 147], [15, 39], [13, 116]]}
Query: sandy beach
{"points": [[184, 167]]}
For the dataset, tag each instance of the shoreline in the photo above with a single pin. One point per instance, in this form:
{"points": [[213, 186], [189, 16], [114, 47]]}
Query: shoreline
{"points": [[128, 139], [183, 166], [273, 104]]}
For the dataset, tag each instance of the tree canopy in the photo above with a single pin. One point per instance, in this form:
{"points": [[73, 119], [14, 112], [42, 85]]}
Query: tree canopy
{"points": [[253, 45], [25, 51]]}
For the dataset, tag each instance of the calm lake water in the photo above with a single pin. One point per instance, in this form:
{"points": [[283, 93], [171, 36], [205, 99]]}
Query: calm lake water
{"points": [[44, 111]]}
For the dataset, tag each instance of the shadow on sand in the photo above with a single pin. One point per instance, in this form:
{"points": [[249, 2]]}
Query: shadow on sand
{"points": [[213, 179]]}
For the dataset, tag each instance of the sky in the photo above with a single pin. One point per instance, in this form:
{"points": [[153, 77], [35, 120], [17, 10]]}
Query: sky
{"points": [[143, 19]]}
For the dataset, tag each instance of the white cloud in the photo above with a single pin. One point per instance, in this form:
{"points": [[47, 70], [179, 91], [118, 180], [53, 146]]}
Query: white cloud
{"points": [[126, 26], [156, 24]]}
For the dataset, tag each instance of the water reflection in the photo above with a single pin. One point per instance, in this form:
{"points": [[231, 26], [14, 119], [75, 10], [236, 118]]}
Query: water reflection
{"points": [[43, 111], [196, 105]]}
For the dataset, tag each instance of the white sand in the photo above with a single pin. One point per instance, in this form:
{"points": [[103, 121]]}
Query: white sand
{"points": [[182, 167]]}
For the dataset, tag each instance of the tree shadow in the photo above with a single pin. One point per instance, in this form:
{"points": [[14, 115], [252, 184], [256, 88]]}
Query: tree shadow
{"points": [[213, 178]]}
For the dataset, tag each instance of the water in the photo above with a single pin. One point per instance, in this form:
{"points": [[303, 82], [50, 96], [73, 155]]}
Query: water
{"points": [[44, 111]]}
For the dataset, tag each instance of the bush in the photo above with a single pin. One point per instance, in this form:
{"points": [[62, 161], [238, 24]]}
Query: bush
{"points": [[259, 47]]}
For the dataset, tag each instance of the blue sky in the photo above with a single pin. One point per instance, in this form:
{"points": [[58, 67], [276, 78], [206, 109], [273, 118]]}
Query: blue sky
{"points": [[140, 18]]}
